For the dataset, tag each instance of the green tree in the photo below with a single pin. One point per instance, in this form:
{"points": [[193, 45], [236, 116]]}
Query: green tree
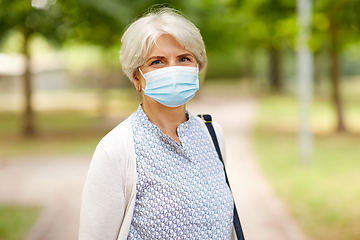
{"points": [[60, 21], [22, 17], [268, 25], [336, 25], [279, 20]]}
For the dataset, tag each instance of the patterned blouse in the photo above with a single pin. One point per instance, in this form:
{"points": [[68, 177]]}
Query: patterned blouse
{"points": [[181, 189]]}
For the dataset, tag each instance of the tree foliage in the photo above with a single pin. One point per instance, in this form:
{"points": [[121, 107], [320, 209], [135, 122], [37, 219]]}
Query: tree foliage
{"points": [[336, 26], [226, 26], [60, 21], [268, 25]]}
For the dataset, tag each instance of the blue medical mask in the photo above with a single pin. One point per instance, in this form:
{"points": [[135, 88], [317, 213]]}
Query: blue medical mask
{"points": [[172, 86]]}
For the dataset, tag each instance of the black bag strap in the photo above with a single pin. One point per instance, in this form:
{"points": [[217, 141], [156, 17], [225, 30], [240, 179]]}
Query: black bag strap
{"points": [[208, 122]]}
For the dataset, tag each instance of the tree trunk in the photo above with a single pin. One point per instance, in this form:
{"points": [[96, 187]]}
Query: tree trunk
{"points": [[249, 69], [249, 65], [275, 70], [335, 78], [317, 70], [28, 128]]}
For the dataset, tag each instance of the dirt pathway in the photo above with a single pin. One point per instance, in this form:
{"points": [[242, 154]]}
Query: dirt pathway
{"points": [[56, 182], [263, 216]]}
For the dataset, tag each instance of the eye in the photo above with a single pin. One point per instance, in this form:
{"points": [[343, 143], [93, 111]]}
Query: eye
{"points": [[185, 59], [156, 62]]}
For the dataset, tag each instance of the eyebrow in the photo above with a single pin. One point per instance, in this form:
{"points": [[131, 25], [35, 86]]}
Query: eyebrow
{"points": [[155, 57], [162, 57], [186, 55]]}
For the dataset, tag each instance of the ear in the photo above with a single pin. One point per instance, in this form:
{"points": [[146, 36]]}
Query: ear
{"points": [[137, 75], [136, 82], [139, 81]]}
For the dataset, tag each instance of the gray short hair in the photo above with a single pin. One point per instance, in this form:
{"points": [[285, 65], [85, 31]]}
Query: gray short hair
{"points": [[140, 36]]}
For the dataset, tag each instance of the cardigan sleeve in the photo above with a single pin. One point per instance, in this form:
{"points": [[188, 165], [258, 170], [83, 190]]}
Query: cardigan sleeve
{"points": [[110, 189], [103, 202]]}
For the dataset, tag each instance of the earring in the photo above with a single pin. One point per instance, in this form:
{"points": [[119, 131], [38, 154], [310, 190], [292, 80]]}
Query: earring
{"points": [[138, 89]]}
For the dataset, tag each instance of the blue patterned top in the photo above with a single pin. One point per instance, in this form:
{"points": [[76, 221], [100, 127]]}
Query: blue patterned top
{"points": [[181, 189]]}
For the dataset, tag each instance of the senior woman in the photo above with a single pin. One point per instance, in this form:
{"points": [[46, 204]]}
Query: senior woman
{"points": [[157, 174]]}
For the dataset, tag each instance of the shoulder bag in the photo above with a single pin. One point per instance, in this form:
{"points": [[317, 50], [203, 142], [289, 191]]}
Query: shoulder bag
{"points": [[208, 122]]}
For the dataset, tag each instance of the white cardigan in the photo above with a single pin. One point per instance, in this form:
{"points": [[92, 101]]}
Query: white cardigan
{"points": [[110, 189]]}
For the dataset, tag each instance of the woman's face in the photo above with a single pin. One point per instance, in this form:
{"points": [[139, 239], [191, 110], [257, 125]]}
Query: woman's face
{"points": [[167, 52]]}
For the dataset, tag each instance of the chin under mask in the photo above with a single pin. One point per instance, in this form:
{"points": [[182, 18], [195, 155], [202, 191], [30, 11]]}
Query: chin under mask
{"points": [[172, 86]]}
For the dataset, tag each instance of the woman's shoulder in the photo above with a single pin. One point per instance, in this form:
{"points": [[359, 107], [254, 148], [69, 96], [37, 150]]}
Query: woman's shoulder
{"points": [[218, 132], [118, 140], [217, 126]]}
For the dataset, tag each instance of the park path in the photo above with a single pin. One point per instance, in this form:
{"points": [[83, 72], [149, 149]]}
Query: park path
{"points": [[263, 216], [53, 182], [56, 182]]}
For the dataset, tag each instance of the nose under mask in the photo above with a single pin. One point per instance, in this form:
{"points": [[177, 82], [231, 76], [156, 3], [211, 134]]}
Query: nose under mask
{"points": [[172, 86]]}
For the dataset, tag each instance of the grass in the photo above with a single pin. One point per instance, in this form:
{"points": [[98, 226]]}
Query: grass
{"points": [[15, 221], [323, 196], [64, 131], [59, 132]]}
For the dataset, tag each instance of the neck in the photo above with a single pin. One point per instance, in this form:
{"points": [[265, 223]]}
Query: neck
{"points": [[165, 118]]}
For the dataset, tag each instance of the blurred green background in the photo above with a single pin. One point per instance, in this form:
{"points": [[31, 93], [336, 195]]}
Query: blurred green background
{"points": [[62, 89]]}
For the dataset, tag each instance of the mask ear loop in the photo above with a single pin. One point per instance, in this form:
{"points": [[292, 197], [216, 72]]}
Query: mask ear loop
{"points": [[141, 73], [139, 89]]}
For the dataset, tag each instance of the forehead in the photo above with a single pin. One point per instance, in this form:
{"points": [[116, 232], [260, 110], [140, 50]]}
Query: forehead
{"points": [[166, 45]]}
